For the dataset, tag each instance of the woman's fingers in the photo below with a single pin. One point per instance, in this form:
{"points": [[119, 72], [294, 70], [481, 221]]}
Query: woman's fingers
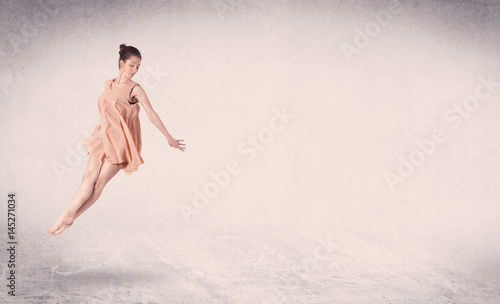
{"points": [[178, 144]]}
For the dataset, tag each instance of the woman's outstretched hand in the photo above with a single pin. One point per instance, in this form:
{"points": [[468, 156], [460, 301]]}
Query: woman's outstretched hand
{"points": [[176, 143]]}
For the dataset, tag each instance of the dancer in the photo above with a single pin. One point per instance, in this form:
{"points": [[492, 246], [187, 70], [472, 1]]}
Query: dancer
{"points": [[115, 144]]}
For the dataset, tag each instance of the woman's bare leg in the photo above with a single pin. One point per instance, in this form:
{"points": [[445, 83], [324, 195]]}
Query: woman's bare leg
{"points": [[108, 171], [90, 177]]}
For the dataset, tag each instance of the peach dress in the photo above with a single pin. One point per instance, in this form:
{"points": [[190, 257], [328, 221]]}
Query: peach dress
{"points": [[117, 138]]}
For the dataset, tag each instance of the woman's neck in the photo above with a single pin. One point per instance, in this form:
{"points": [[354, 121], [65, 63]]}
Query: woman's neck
{"points": [[120, 79]]}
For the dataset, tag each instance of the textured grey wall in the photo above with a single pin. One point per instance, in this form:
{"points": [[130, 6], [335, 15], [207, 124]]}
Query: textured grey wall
{"points": [[372, 85]]}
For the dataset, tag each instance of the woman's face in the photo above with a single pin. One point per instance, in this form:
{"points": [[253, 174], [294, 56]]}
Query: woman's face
{"points": [[130, 67]]}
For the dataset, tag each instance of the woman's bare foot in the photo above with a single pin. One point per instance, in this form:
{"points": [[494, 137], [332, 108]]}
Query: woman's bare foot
{"points": [[64, 221]]}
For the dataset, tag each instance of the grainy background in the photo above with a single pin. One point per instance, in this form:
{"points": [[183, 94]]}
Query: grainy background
{"points": [[311, 216]]}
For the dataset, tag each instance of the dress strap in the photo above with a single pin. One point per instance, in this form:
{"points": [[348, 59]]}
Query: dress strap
{"points": [[132, 103]]}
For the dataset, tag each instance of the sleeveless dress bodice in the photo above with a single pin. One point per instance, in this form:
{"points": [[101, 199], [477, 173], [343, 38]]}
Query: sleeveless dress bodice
{"points": [[117, 138]]}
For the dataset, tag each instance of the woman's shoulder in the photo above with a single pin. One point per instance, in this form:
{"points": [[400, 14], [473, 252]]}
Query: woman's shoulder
{"points": [[135, 86], [107, 82]]}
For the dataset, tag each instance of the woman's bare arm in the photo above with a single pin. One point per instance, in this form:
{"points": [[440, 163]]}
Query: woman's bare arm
{"points": [[139, 93]]}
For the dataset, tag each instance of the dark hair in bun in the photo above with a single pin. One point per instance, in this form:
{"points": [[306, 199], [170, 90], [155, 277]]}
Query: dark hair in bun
{"points": [[126, 52]]}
